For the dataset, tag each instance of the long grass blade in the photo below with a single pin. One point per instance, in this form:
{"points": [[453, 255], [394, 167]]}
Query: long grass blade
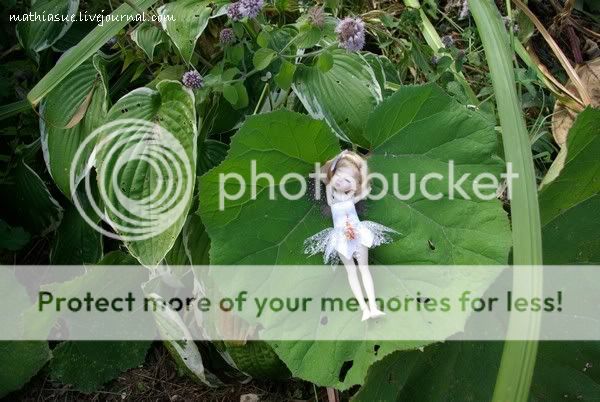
{"points": [[87, 47], [14, 108], [518, 359]]}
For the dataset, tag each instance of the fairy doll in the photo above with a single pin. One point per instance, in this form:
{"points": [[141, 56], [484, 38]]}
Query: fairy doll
{"points": [[349, 240]]}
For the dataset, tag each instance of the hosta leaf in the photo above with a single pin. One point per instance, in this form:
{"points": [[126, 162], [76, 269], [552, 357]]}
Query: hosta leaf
{"points": [[172, 108], [36, 36], [69, 114], [418, 130], [184, 21], [19, 361], [280, 142], [148, 37], [569, 204], [27, 192], [75, 241], [343, 96], [88, 364]]}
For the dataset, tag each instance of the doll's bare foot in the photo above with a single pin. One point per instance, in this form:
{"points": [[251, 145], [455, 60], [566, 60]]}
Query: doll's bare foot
{"points": [[366, 314], [375, 313]]}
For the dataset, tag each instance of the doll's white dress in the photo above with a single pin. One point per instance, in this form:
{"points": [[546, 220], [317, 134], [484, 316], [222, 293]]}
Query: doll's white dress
{"points": [[347, 234]]}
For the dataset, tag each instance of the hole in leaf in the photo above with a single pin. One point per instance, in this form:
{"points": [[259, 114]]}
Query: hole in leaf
{"points": [[376, 349], [431, 245], [344, 370]]}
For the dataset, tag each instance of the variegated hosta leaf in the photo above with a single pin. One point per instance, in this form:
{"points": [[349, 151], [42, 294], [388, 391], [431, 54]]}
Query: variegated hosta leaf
{"points": [[148, 37], [146, 167], [69, 114], [343, 96], [184, 21], [36, 36]]}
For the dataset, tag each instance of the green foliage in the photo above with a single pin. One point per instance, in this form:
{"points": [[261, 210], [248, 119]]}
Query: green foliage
{"points": [[36, 36], [149, 37], [263, 57], [28, 192], [569, 203], [344, 96], [68, 115], [187, 20], [75, 242], [19, 361], [174, 106], [88, 364], [287, 142], [85, 49], [256, 92]]}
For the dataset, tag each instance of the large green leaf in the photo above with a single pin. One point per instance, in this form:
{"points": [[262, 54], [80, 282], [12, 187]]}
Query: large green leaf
{"points": [[68, 115], [26, 193], [344, 96], [19, 361], [172, 108], [420, 130], [466, 371], [88, 364], [281, 142], [75, 241], [184, 21], [36, 36], [569, 204], [417, 130]]}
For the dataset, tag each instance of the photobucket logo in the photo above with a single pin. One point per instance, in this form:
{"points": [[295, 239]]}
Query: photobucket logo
{"points": [[432, 186], [144, 179]]}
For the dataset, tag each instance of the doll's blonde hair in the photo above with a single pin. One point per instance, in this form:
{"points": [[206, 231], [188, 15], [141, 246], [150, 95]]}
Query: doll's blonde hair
{"points": [[353, 160]]}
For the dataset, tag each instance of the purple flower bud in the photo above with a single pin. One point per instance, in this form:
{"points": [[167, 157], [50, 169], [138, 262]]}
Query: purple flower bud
{"points": [[251, 8], [351, 34], [447, 41], [192, 79], [234, 11], [226, 36], [316, 16]]}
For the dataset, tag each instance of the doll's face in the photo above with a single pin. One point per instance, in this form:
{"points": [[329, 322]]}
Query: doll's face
{"points": [[344, 180]]}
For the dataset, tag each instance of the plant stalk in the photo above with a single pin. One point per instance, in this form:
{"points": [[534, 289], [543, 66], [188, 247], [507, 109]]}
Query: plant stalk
{"points": [[518, 359]]}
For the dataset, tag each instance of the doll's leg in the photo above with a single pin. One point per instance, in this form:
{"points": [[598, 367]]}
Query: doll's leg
{"points": [[355, 285], [363, 264]]}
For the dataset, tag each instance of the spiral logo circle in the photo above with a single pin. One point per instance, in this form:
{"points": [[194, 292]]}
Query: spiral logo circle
{"points": [[144, 179]]}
